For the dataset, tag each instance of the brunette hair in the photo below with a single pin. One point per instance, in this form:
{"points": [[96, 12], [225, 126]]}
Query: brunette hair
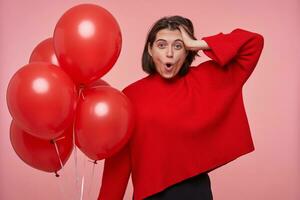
{"points": [[172, 23]]}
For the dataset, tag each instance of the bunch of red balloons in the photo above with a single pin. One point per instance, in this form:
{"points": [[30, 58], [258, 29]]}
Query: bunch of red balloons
{"points": [[59, 97]]}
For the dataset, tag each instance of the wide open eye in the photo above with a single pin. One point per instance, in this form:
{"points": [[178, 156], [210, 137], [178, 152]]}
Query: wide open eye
{"points": [[178, 46], [161, 45]]}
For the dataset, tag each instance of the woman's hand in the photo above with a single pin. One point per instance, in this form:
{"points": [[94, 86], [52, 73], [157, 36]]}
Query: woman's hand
{"points": [[191, 44]]}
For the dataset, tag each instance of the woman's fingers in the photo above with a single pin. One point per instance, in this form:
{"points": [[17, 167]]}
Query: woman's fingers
{"points": [[188, 41], [184, 33]]}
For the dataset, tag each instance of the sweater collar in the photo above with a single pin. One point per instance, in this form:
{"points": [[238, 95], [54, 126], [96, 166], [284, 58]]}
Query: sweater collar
{"points": [[158, 77]]}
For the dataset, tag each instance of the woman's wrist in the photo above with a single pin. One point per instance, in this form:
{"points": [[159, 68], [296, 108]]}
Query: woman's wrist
{"points": [[199, 45]]}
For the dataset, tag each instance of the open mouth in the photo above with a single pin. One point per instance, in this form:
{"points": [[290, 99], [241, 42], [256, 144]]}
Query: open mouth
{"points": [[169, 66]]}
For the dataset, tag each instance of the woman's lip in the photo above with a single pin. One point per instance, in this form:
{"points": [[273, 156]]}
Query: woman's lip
{"points": [[170, 68]]}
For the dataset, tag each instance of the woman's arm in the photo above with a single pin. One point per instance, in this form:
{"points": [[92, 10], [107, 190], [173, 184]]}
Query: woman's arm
{"points": [[116, 173], [239, 51]]}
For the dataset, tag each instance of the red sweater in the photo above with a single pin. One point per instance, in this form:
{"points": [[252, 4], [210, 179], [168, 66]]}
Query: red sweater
{"points": [[187, 125]]}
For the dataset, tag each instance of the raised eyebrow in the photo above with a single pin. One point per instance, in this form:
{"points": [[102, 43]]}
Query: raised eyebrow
{"points": [[160, 40], [178, 40], [166, 40]]}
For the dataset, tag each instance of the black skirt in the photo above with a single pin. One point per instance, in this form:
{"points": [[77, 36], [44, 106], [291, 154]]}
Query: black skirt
{"points": [[194, 188]]}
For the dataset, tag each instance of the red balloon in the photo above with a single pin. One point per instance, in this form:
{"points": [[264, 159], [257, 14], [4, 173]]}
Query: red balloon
{"points": [[104, 122], [44, 52], [97, 83], [87, 42], [38, 153], [42, 99]]}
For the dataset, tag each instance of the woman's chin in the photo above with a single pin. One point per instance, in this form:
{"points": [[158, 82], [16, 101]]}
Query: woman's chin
{"points": [[167, 75]]}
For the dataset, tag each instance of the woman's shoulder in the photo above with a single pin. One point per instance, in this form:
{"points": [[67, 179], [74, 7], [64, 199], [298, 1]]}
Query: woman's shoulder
{"points": [[137, 85], [208, 65]]}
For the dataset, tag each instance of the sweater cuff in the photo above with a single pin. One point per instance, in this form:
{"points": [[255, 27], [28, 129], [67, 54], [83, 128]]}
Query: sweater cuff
{"points": [[222, 49]]}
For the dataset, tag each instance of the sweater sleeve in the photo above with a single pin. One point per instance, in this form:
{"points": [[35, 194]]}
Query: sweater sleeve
{"points": [[238, 50], [116, 173]]}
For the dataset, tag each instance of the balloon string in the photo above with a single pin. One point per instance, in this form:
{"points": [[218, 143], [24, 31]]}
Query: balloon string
{"points": [[75, 149], [75, 161], [96, 86], [80, 93], [92, 178], [61, 188], [82, 186], [57, 152], [82, 96], [82, 181]]}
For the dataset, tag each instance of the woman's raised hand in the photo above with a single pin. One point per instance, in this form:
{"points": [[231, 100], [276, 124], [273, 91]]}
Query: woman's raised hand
{"points": [[190, 43]]}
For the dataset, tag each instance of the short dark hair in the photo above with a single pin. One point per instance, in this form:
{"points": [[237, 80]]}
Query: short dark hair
{"points": [[172, 23]]}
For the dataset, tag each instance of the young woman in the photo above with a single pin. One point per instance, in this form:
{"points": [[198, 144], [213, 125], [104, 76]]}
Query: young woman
{"points": [[189, 120]]}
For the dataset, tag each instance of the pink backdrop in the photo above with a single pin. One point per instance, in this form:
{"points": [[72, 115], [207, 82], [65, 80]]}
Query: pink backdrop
{"points": [[271, 95]]}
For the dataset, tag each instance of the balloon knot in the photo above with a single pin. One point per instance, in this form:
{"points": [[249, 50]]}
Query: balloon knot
{"points": [[56, 174], [93, 161], [81, 86]]}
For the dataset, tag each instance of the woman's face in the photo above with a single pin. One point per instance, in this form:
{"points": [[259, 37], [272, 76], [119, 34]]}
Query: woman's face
{"points": [[168, 52]]}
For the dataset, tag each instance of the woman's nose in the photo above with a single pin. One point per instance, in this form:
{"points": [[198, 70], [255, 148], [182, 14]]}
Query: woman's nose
{"points": [[170, 52]]}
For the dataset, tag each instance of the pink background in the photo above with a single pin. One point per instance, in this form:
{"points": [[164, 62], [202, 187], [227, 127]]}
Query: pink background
{"points": [[271, 95]]}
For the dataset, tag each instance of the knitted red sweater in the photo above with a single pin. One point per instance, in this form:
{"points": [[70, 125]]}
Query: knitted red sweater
{"points": [[187, 125]]}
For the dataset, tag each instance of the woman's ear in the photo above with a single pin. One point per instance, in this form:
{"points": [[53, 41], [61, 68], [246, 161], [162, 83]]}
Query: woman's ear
{"points": [[149, 49]]}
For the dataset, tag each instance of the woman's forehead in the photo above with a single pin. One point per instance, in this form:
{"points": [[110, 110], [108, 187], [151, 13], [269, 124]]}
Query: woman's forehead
{"points": [[168, 35]]}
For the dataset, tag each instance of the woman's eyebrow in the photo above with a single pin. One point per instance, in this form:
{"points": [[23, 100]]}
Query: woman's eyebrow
{"points": [[160, 40], [179, 40], [166, 40]]}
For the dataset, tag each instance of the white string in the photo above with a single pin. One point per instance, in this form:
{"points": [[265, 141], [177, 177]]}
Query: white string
{"points": [[91, 180], [75, 152], [61, 188], [96, 86], [82, 185], [82, 181], [57, 152], [76, 163], [82, 96]]}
